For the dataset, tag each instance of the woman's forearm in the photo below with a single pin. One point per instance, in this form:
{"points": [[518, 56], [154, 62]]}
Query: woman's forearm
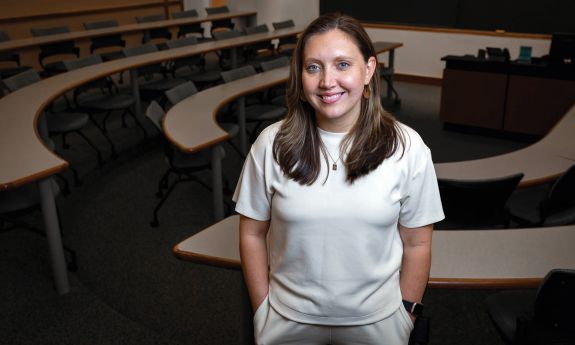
{"points": [[416, 262], [254, 257]]}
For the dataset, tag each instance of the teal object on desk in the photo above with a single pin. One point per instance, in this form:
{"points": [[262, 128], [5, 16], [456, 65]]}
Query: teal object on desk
{"points": [[524, 54]]}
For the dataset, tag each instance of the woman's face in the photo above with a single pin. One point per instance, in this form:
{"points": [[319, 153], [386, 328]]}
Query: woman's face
{"points": [[334, 74]]}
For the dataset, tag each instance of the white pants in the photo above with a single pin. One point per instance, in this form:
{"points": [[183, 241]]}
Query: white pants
{"points": [[270, 328]]}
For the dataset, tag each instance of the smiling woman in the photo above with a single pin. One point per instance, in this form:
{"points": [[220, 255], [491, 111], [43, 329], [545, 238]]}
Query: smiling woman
{"points": [[334, 77], [338, 238]]}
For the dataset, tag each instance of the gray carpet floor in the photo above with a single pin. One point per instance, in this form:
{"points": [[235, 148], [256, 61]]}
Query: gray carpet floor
{"points": [[130, 289]]}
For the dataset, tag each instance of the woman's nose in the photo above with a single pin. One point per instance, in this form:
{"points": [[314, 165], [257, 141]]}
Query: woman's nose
{"points": [[327, 79]]}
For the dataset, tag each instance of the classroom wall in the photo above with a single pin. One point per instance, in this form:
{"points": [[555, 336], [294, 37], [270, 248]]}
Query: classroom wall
{"points": [[422, 51], [301, 11]]}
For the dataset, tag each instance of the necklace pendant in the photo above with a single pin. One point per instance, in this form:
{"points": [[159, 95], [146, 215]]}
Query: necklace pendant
{"points": [[334, 166]]}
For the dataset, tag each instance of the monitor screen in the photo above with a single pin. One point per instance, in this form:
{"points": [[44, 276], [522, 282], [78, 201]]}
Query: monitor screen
{"points": [[562, 48]]}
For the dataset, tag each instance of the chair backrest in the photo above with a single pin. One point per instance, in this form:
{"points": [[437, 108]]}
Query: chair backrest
{"points": [[151, 18], [182, 42], [195, 28], [223, 35], [101, 24], [4, 36], [155, 113], [37, 32], [284, 24], [477, 202], [140, 50], [154, 33], [238, 73], [8, 56], [561, 196], [256, 29], [180, 92], [554, 302], [185, 14], [104, 41], [60, 48], [275, 63], [217, 10], [82, 62], [21, 80], [222, 24]]}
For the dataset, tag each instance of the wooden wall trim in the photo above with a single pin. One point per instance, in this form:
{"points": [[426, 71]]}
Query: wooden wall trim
{"points": [[164, 5], [498, 33], [462, 283], [417, 79]]}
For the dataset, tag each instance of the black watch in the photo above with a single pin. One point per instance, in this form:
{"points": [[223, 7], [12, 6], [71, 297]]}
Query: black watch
{"points": [[413, 308]]}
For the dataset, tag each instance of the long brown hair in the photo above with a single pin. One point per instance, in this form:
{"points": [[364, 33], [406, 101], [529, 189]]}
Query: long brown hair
{"points": [[374, 137]]}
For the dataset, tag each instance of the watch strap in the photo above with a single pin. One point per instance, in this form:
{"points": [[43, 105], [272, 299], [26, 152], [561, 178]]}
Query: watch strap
{"points": [[413, 308]]}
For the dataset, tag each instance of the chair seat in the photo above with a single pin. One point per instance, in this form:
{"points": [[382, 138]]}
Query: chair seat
{"points": [[23, 197], [232, 128], [209, 76], [12, 71], [106, 102], [112, 55], [506, 306], [57, 66], [195, 161], [65, 122], [161, 84], [264, 112]]}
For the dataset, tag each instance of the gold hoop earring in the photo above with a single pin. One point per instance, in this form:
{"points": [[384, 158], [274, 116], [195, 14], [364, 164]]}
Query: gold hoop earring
{"points": [[366, 91]]}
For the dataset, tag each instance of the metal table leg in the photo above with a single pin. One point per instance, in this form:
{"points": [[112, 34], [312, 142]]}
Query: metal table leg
{"points": [[242, 125], [53, 236], [217, 186], [390, 63]]}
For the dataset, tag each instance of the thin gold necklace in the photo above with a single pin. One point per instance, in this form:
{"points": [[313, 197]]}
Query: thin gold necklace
{"points": [[334, 165]]}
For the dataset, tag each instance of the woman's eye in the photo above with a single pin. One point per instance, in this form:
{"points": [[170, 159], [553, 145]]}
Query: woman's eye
{"points": [[343, 65], [312, 68]]}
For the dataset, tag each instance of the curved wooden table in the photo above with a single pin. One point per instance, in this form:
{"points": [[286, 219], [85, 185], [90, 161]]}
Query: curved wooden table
{"points": [[543, 161], [25, 159], [20, 44], [502, 258]]}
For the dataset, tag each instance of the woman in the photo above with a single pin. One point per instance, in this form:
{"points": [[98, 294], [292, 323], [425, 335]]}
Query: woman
{"points": [[346, 197]]}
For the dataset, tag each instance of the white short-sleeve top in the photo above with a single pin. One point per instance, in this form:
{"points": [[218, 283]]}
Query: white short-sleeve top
{"points": [[334, 248]]}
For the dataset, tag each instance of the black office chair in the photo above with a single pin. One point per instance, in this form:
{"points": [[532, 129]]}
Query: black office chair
{"points": [[189, 29], [533, 317], [10, 58], [285, 45], [225, 55], [557, 208], [105, 42], [184, 166], [102, 96], [161, 34], [476, 203], [192, 68], [66, 48], [259, 52], [259, 113], [276, 94], [222, 24], [153, 79], [16, 202]]}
